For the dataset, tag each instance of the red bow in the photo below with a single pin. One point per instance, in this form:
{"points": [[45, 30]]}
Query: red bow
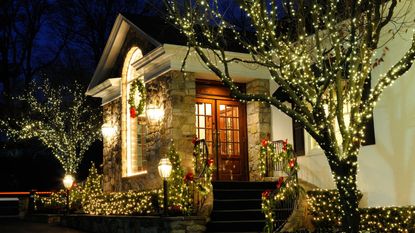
{"points": [[210, 162], [284, 145], [280, 182], [266, 193], [292, 163], [189, 177], [133, 113], [264, 142]]}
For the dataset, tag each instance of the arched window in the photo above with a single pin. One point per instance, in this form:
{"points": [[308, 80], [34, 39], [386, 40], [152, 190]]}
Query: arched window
{"points": [[134, 162]]}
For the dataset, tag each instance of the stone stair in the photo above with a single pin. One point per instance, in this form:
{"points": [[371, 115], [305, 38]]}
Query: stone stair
{"points": [[237, 207]]}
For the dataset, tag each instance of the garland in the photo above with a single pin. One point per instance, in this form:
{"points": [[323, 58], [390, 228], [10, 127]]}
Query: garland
{"points": [[286, 188], [270, 152], [137, 108]]}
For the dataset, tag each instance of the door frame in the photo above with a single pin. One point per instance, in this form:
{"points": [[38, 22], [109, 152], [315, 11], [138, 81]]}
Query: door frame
{"points": [[215, 91]]}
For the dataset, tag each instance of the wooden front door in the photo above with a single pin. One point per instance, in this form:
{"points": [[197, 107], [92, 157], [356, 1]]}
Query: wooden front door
{"points": [[222, 123]]}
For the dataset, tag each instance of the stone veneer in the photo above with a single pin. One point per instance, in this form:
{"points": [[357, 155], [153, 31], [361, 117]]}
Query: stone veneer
{"points": [[112, 147], [175, 93], [258, 124], [135, 224]]}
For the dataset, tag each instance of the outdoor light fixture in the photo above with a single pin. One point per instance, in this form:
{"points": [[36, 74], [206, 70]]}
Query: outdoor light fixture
{"points": [[154, 113], [67, 183], [165, 168], [108, 130]]}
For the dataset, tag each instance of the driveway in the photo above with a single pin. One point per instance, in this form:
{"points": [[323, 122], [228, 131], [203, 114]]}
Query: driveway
{"points": [[8, 225]]}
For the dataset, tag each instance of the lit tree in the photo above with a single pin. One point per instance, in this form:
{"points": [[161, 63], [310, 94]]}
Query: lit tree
{"points": [[61, 118], [177, 190], [321, 53]]}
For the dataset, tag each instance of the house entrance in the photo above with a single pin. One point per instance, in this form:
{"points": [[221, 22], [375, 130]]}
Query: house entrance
{"points": [[221, 121]]}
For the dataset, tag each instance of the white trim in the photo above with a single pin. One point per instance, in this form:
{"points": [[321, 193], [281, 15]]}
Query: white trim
{"points": [[108, 90]]}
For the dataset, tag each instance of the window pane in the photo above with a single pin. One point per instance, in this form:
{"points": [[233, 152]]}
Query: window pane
{"points": [[208, 109]]}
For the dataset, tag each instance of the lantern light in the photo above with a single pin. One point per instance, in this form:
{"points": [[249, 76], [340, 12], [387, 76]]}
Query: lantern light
{"points": [[154, 113], [108, 130], [68, 181], [165, 168]]}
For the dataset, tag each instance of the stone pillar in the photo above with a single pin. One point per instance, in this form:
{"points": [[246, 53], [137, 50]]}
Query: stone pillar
{"points": [[112, 147], [181, 124], [258, 123]]}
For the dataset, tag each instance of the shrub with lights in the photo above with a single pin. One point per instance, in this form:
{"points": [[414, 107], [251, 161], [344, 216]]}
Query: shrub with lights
{"points": [[187, 192], [286, 189], [326, 212], [178, 192], [320, 54], [90, 199]]}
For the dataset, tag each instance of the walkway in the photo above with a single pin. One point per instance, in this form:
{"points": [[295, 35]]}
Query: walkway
{"points": [[8, 225]]}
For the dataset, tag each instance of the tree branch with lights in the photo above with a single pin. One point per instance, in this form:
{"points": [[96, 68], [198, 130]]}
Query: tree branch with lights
{"points": [[321, 54], [60, 117]]}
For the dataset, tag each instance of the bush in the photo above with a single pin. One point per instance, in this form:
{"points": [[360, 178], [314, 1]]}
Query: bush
{"points": [[325, 209]]}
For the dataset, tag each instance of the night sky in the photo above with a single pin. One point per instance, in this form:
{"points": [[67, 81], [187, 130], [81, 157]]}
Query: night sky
{"points": [[62, 41]]}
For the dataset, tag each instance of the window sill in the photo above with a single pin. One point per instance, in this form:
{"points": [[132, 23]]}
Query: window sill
{"points": [[140, 173]]}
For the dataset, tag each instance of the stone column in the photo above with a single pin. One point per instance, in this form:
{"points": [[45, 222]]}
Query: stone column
{"points": [[181, 124], [258, 123]]}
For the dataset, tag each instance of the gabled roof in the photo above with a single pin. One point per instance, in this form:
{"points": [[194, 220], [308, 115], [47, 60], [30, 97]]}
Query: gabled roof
{"points": [[149, 31], [163, 48]]}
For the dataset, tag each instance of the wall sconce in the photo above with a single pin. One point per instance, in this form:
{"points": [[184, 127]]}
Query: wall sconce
{"points": [[154, 113], [108, 130]]}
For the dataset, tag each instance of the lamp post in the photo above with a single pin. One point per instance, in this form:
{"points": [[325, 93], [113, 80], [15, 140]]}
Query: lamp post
{"points": [[67, 183], [165, 168]]}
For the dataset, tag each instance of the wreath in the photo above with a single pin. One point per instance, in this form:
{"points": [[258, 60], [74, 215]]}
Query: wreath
{"points": [[137, 86]]}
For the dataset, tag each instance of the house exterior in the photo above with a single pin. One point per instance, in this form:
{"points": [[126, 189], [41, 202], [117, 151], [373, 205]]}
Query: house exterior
{"points": [[185, 99], [180, 103]]}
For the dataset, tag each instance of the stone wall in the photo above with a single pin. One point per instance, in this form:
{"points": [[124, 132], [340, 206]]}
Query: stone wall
{"points": [[259, 125], [112, 147], [135, 224], [175, 93]]}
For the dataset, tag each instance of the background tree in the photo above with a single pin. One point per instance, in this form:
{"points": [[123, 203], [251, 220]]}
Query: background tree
{"points": [[61, 118], [25, 26], [321, 53]]}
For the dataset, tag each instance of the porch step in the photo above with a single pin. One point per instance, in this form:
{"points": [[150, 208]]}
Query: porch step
{"points": [[237, 207], [236, 226]]}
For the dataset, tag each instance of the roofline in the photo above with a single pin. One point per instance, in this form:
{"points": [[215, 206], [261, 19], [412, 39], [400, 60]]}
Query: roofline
{"points": [[107, 49]]}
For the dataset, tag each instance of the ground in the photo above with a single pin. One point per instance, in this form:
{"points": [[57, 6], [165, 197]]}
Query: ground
{"points": [[18, 226]]}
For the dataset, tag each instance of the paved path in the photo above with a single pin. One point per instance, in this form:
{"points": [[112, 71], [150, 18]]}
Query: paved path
{"points": [[8, 225]]}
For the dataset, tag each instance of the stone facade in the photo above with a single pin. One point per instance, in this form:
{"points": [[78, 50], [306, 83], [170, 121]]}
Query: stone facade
{"points": [[112, 147], [175, 93], [258, 125], [135, 224]]}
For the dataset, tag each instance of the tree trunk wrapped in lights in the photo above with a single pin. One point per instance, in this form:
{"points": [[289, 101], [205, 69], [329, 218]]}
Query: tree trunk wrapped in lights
{"points": [[320, 53], [61, 118]]}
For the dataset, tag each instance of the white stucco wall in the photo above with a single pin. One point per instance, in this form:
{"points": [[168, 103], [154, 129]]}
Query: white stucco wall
{"points": [[387, 169]]}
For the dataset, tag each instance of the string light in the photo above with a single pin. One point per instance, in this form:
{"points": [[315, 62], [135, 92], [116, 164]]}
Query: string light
{"points": [[325, 209], [320, 54], [286, 187], [61, 118], [90, 198]]}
